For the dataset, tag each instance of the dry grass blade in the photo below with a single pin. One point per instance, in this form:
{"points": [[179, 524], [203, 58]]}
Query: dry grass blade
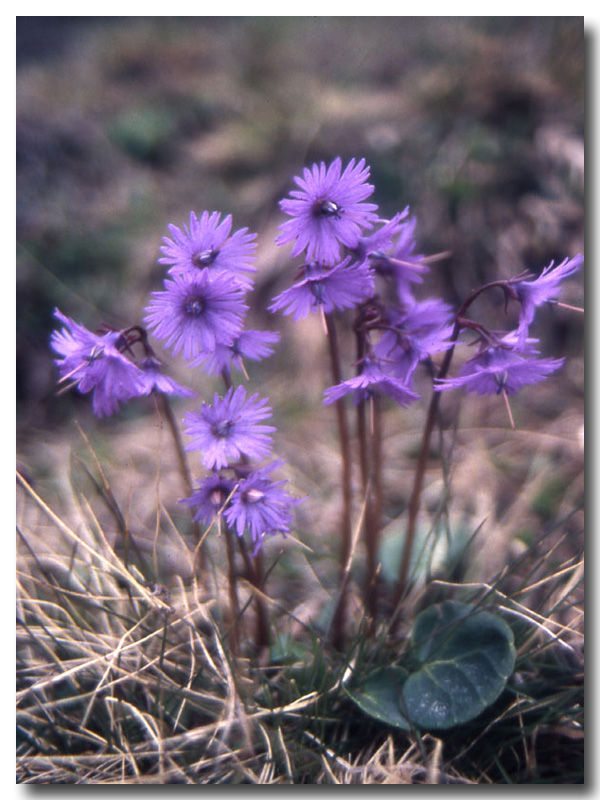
{"points": [[112, 564]]}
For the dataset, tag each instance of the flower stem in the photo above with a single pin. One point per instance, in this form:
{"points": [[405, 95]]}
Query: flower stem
{"points": [[370, 470], [254, 568], [234, 632], [376, 466], [254, 565], [370, 460], [339, 621], [415, 498], [184, 467]]}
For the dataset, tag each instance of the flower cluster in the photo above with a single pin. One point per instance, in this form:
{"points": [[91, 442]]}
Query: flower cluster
{"points": [[354, 259], [201, 310], [229, 433], [506, 362], [200, 313], [103, 363], [351, 259], [250, 502]]}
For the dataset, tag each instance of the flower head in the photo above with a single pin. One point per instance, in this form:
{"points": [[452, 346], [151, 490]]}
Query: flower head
{"points": [[206, 244], [401, 264], [254, 345], [260, 506], [502, 368], [380, 239], [421, 330], [543, 289], [230, 428], [197, 311], [153, 380], [328, 210], [94, 363], [373, 379], [210, 497], [343, 286]]}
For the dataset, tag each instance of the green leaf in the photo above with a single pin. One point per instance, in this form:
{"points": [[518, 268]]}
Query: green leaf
{"points": [[464, 659], [287, 650], [466, 656], [380, 696]]}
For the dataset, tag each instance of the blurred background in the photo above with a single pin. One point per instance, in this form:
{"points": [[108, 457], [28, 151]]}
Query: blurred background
{"points": [[126, 124]]}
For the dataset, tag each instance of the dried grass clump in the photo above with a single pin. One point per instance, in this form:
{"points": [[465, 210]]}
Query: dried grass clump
{"points": [[124, 680]]}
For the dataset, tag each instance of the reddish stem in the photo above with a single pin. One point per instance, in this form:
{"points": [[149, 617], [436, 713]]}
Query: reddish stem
{"points": [[432, 412], [339, 619]]}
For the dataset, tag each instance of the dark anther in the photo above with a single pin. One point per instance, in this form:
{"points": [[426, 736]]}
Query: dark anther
{"points": [[205, 258], [95, 353], [328, 208], [316, 288], [194, 307], [222, 428]]}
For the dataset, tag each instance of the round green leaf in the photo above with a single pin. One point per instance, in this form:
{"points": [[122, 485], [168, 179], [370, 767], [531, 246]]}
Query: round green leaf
{"points": [[380, 696], [466, 657]]}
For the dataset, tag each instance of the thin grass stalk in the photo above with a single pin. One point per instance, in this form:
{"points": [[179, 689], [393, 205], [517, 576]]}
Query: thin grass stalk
{"points": [[339, 621], [105, 491]]}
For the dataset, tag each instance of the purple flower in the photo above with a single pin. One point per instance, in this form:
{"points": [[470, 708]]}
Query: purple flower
{"points": [[380, 239], [197, 311], [207, 244], [229, 429], [210, 497], [504, 368], [254, 345], [543, 289], [93, 362], [343, 286], [420, 331], [328, 210], [261, 506], [153, 380], [401, 264], [373, 379], [78, 347]]}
